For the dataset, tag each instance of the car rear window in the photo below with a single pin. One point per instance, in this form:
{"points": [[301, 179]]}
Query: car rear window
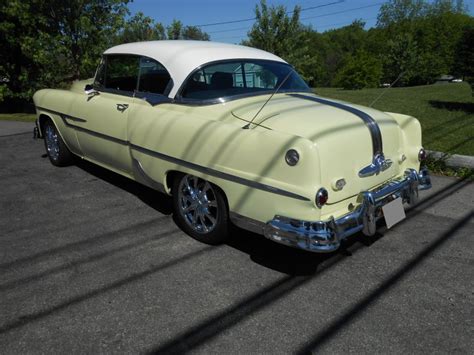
{"points": [[240, 77]]}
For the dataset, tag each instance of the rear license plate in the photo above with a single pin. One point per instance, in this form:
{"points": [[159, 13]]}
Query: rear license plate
{"points": [[393, 212]]}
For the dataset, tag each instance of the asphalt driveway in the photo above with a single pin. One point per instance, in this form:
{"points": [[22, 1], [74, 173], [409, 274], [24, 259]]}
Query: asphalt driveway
{"points": [[93, 263]]}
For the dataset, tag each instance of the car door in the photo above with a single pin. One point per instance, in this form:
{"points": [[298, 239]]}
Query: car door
{"points": [[102, 130]]}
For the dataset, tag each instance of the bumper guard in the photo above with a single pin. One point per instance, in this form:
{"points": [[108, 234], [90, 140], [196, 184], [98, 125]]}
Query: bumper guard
{"points": [[326, 236]]}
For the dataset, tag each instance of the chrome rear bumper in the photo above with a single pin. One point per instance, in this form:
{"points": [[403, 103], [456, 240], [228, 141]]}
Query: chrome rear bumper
{"points": [[326, 236]]}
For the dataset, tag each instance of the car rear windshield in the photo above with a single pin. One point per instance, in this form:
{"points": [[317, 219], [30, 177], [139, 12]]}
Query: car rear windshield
{"points": [[241, 77]]}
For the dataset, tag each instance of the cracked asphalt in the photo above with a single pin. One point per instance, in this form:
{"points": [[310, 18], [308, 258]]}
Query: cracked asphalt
{"points": [[91, 262]]}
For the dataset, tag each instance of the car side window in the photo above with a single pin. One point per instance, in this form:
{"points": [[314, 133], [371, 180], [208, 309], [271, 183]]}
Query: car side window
{"points": [[121, 72], [154, 78]]}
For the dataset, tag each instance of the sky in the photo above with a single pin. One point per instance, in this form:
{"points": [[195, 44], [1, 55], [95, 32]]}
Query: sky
{"points": [[329, 14]]}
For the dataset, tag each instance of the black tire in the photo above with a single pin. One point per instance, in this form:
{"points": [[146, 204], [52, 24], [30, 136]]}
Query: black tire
{"points": [[58, 153], [212, 206]]}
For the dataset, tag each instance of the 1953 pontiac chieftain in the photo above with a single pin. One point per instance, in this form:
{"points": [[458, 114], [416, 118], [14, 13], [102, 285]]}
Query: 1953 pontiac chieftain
{"points": [[235, 135]]}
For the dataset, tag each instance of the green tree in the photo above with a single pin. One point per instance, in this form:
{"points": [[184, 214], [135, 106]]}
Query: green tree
{"points": [[402, 59], [47, 42], [341, 43], [399, 11], [141, 28], [175, 30], [276, 32], [463, 64], [420, 38], [194, 33], [360, 71]]}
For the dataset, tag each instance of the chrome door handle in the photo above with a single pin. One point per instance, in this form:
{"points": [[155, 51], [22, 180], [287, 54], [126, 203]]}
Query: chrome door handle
{"points": [[122, 107]]}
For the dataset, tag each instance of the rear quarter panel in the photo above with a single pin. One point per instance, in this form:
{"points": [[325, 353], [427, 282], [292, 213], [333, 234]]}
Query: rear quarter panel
{"points": [[208, 137]]}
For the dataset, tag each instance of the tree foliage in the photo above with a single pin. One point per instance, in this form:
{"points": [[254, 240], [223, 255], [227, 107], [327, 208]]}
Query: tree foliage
{"points": [[141, 28], [178, 31], [276, 32], [360, 70], [418, 38], [45, 43]]}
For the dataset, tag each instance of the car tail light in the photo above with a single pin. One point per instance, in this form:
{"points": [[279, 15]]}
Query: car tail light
{"points": [[321, 197], [422, 154]]}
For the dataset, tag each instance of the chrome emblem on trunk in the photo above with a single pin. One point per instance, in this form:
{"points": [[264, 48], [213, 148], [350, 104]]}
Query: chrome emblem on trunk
{"points": [[378, 164]]}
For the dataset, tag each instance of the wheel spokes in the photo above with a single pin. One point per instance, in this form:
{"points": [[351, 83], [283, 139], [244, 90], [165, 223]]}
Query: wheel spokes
{"points": [[198, 203]]}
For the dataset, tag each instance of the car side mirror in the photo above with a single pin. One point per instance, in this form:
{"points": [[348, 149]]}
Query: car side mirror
{"points": [[89, 90]]}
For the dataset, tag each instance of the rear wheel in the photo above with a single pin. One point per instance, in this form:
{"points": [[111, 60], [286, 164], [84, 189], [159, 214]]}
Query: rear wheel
{"points": [[200, 209], [56, 149]]}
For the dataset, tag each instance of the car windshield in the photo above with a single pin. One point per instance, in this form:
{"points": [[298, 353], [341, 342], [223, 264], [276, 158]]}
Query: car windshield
{"points": [[241, 77]]}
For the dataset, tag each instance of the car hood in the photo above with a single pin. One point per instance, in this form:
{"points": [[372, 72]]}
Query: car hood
{"points": [[343, 138]]}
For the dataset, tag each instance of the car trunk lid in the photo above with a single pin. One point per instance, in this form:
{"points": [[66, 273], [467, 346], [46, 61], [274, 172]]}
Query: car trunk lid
{"points": [[344, 139]]}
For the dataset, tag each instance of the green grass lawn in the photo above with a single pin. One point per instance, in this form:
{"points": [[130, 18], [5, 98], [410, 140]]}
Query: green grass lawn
{"points": [[446, 112], [24, 117]]}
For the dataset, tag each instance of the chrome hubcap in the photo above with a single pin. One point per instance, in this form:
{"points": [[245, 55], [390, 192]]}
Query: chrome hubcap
{"points": [[52, 142], [197, 204]]}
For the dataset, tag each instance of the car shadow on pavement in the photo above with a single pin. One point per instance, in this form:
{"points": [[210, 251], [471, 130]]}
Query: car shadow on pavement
{"points": [[287, 260], [202, 332], [262, 251], [156, 200]]}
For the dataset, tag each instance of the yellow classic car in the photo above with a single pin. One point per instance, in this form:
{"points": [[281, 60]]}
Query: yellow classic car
{"points": [[234, 134]]}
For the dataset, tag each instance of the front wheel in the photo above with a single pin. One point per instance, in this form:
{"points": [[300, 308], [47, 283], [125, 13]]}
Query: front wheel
{"points": [[200, 209], [56, 149]]}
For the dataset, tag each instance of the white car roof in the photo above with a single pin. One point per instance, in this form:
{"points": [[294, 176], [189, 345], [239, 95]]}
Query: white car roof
{"points": [[180, 58]]}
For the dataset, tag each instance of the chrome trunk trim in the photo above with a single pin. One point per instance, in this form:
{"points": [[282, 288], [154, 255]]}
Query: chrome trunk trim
{"points": [[379, 164], [326, 236]]}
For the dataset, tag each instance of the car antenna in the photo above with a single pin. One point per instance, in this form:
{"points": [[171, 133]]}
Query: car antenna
{"points": [[384, 91], [247, 126]]}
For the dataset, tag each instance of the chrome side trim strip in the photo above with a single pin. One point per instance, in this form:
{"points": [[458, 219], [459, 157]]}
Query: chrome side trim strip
{"points": [[373, 127], [97, 134], [219, 174], [63, 116], [196, 167]]}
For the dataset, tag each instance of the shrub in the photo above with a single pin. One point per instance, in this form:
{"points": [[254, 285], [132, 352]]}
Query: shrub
{"points": [[359, 71]]}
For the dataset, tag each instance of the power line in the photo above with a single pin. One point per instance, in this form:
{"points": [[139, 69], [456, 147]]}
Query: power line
{"points": [[254, 18], [346, 23], [343, 11], [305, 18], [324, 26], [230, 30]]}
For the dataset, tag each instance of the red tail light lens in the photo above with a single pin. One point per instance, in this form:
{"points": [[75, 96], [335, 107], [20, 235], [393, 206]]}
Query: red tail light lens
{"points": [[422, 154], [321, 197]]}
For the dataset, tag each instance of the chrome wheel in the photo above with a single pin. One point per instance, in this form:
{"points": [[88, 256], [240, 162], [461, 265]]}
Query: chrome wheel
{"points": [[197, 204], [52, 142]]}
